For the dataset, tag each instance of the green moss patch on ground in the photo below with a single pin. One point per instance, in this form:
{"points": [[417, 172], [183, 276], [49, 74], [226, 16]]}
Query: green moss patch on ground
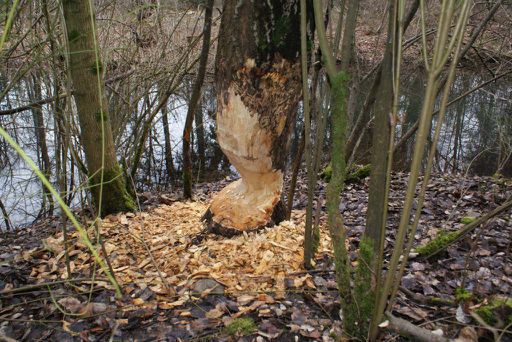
{"points": [[494, 311], [467, 219], [244, 326]]}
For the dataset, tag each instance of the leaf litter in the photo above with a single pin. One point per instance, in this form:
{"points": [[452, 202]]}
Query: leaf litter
{"points": [[195, 290]]}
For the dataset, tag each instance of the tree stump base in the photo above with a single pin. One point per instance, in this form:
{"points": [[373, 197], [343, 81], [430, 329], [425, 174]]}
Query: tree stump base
{"points": [[278, 215]]}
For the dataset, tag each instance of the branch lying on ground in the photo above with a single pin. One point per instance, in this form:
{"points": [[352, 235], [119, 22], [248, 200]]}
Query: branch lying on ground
{"points": [[424, 299], [472, 226], [413, 332], [404, 328]]}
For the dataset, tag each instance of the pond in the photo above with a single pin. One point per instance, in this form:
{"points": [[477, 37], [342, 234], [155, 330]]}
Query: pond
{"points": [[476, 137]]}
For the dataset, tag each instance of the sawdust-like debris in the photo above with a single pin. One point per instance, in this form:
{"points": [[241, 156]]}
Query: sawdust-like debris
{"points": [[251, 262]]}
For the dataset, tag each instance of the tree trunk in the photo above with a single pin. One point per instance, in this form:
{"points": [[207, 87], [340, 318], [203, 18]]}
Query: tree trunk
{"points": [[295, 172], [380, 143], [5, 215], [42, 148], [108, 187], [169, 165], [192, 106], [258, 79], [201, 144]]}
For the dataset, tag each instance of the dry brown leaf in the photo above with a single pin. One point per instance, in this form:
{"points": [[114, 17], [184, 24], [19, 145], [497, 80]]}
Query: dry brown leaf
{"points": [[214, 313], [138, 301], [71, 304]]}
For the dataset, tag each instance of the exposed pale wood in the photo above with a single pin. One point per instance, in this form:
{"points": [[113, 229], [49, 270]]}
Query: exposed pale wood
{"points": [[258, 91]]}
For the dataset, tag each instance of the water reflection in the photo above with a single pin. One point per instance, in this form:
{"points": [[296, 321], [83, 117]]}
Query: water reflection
{"points": [[476, 134]]}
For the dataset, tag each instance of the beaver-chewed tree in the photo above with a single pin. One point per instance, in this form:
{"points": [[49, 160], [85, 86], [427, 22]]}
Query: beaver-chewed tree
{"points": [[258, 83]]}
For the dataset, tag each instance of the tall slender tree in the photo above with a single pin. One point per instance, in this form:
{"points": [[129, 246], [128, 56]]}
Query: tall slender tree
{"points": [[194, 100], [107, 181], [380, 144]]}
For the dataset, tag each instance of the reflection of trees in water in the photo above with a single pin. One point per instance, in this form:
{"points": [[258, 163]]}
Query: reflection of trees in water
{"points": [[410, 103], [491, 139], [477, 130]]}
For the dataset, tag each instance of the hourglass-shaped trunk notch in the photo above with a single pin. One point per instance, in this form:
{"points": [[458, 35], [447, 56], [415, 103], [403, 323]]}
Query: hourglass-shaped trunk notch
{"points": [[258, 92]]}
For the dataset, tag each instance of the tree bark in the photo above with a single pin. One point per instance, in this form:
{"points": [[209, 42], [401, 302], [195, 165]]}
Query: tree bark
{"points": [[258, 90], [42, 148], [192, 106], [380, 142], [108, 187], [169, 165], [295, 172], [201, 144]]}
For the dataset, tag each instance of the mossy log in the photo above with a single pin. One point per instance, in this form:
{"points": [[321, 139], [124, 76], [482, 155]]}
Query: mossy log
{"points": [[353, 177], [443, 240]]}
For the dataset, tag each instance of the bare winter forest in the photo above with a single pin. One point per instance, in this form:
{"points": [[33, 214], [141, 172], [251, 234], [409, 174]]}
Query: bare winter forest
{"points": [[295, 170]]}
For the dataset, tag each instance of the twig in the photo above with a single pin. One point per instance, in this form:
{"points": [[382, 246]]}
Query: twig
{"points": [[37, 286], [485, 325], [424, 299], [473, 225], [8, 223], [7, 338], [405, 328], [53, 98], [114, 329]]}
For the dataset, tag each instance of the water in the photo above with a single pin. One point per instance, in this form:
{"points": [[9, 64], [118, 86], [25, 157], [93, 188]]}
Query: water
{"points": [[476, 135], [477, 130]]}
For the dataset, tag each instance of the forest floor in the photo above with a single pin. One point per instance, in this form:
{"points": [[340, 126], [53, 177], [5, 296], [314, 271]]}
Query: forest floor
{"points": [[173, 290]]}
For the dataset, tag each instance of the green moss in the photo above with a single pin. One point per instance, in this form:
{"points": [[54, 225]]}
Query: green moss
{"points": [[462, 294], [498, 179], [467, 219], [244, 326], [283, 27], [482, 187], [441, 240], [351, 178], [96, 68], [359, 174], [442, 301], [73, 35], [326, 174], [311, 45], [357, 317], [316, 239], [487, 311], [115, 197]]}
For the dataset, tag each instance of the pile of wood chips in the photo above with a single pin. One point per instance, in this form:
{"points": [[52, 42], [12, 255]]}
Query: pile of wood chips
{"points": [[253, 262]]}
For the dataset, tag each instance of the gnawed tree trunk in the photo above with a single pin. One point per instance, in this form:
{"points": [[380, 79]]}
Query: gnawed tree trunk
{"points": [[258, 91]]}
